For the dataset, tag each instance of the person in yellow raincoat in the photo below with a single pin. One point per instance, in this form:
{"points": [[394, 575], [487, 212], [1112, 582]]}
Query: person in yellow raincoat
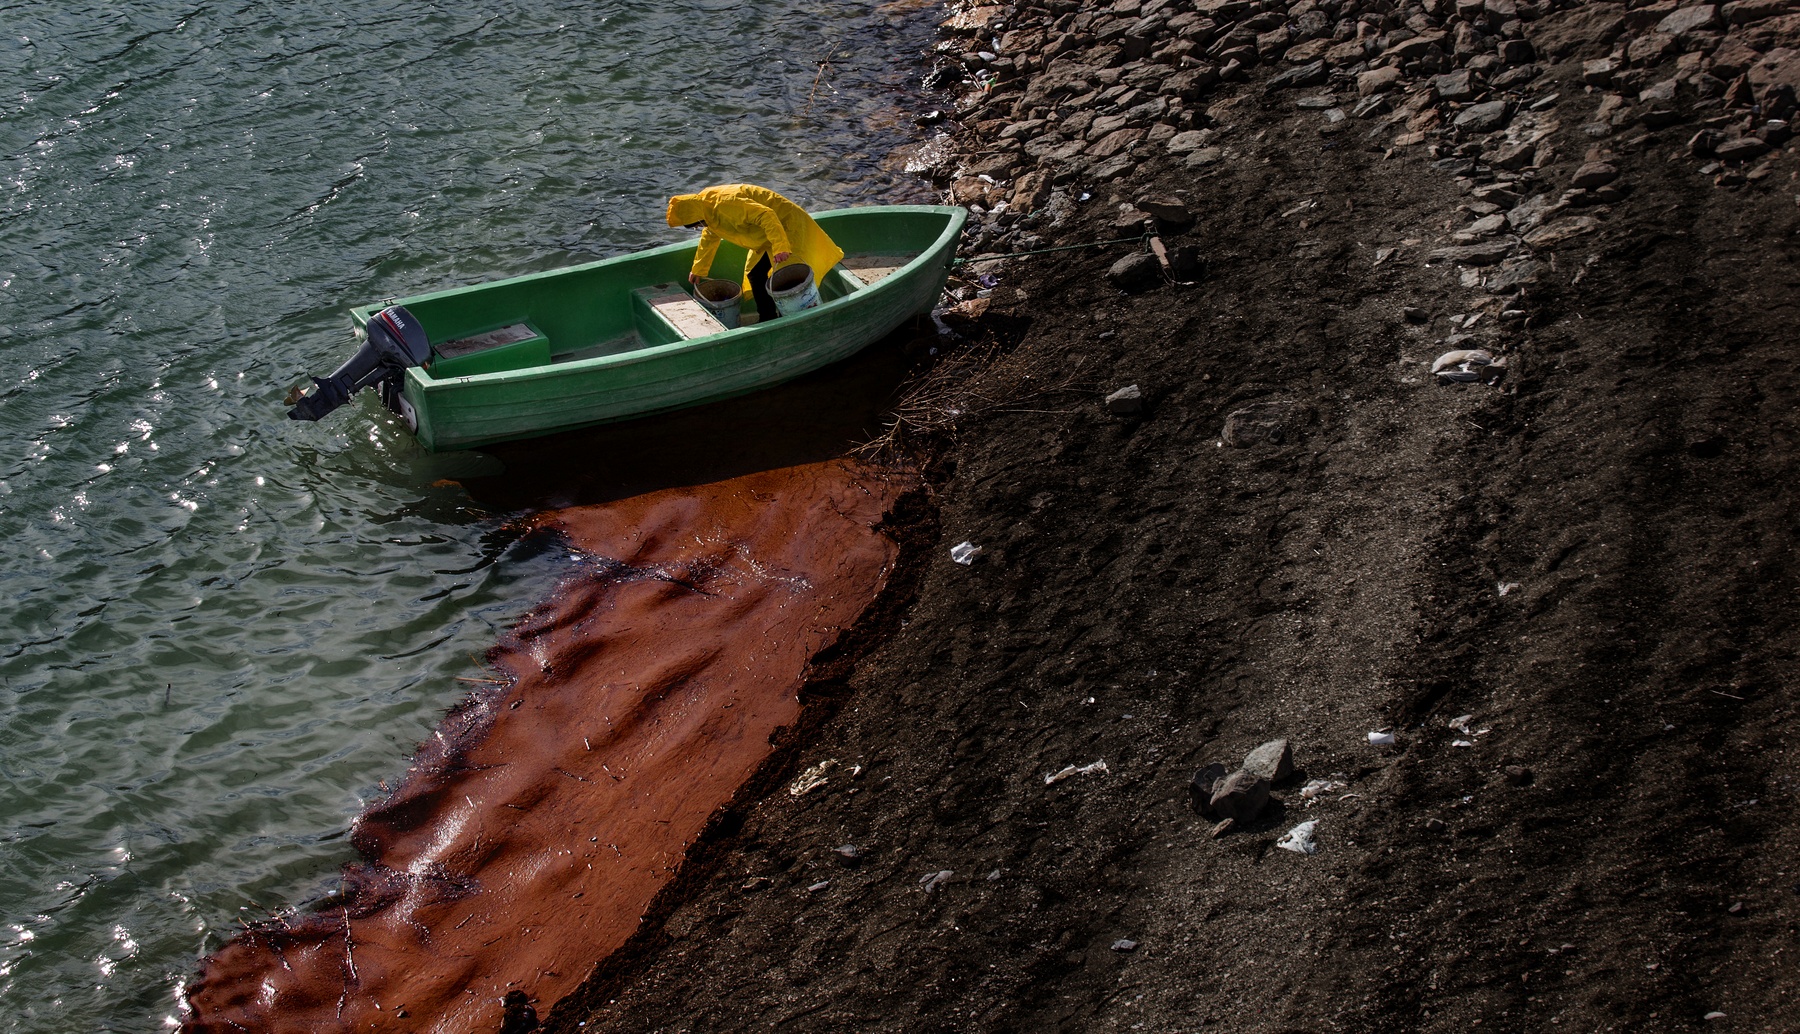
{"points": [[774, 230]]}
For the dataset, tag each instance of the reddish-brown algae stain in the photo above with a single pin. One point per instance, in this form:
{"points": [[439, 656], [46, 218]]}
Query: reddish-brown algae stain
{"points": [[535, 827]]}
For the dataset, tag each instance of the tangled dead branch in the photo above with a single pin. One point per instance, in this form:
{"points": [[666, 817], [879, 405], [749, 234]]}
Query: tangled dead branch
{"points": [[981, 375]]}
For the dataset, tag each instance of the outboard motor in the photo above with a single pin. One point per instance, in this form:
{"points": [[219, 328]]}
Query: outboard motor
{"points": [[395, 342]]}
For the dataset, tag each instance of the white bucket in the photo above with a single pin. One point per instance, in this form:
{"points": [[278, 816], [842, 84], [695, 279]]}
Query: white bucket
{"points": [[793, 289], [720, 297]]}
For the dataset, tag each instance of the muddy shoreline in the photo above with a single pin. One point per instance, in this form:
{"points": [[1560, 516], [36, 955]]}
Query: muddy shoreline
{"points": [[1562, 583]]}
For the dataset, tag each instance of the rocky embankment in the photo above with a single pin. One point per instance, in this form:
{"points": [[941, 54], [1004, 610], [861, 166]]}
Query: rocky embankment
{"points": [[1430, 516], [1067, 93]]}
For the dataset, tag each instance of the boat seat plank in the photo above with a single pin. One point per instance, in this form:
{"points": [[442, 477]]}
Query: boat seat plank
{"points": [[517, 346], [482, 342], [679, 310], [872, 269]]}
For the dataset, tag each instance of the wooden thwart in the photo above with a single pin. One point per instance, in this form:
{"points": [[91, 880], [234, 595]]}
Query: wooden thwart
{"points": [[872, 269], [482, 342], [689, 318]]}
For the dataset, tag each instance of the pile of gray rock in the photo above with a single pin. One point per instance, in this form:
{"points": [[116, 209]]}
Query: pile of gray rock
{"points": [[1060, 93]]}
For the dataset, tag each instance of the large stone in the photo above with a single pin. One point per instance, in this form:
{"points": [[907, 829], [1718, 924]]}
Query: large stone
{"points": [[1741, 149], [1650, 49], [1031, 191], [1147, 111], [1662, 92], [1104, 124], [1586, 29], [1514, 274], [1415, 48], [1733, 58], [1191, 140], [1513, 157], [1487, 253], [1745, 12], [1377, 80], [1599, 71], [1504, 195], [1172, 215], [1594, 174], [1126, 402], [1455, 86], [1550, 235], [1192, 84], [1273, 761], [1116, 167], [1528, 214], [1486, 226], [1136, 273], [1114, 143], [1023, 130], [1349, 52], [1516, 51], [1689, 19], [1313, 74], [1270, 44], [1644, 16], [1270, 423], [972, 190], [1482, 118], [1305, 53], [1240, 797]]}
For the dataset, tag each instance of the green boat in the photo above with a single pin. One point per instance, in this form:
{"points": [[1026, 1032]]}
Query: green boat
{"points": [[625, 337]]}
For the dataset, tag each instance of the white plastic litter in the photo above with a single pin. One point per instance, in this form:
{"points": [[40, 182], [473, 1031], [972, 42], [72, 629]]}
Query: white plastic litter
{"points": [[1465, 725], [1074, 770], [1300, 839], [1381, 739], [812, 778], [1320, 787], [1476, 356], [931, 880], [965, 552], [1466, 365]]}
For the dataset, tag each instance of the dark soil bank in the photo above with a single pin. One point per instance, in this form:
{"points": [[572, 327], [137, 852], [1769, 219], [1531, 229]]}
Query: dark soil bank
{"points": [[1569, 594]]}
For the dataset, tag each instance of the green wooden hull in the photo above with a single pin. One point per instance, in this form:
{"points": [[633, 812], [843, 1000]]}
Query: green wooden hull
{"points": [[614, 360]]}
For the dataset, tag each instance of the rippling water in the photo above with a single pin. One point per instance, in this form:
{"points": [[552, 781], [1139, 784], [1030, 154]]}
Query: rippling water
{"points": [[224, 629]]}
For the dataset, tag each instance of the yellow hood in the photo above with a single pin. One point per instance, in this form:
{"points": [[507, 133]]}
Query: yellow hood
{"points": [[685, 209]]}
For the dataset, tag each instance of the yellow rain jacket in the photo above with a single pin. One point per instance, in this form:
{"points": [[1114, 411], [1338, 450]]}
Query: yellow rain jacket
{"points": [[758, 220]]}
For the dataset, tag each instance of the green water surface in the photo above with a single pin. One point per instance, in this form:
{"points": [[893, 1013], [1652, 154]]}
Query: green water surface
{"points": [[222, 629]]}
